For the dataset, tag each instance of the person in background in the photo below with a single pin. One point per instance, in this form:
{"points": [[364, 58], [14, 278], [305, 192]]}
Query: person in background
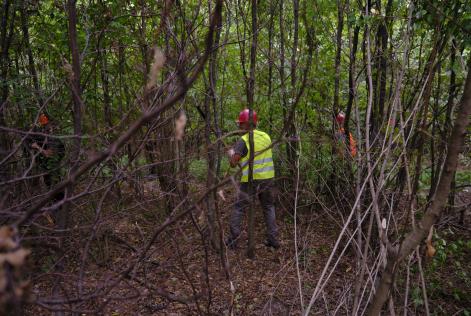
{"points": [[49, 152], [263, 176], [341, 137]]}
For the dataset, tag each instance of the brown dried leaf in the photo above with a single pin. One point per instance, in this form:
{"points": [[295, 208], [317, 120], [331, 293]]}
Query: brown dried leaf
{"points": [[18, 257], [430, 249], [158, 63], [6, 241], [201, 219], [6, 232], [7, 244], [180, 124], [221, 195], [430, 252]]}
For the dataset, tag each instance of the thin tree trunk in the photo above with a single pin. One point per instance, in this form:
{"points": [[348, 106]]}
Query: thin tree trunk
{"points": [[270, 64], [210, 112], [338, 52], [435, 167], [75, 80], [447, 128], [351, 98], [74, 83], [31, 65], [419, 136], [250, 99], [382, 65], [6, 36], [106, 90], [284, 97], [143, 44], [291, 147], [333, 178], [351, 82]]}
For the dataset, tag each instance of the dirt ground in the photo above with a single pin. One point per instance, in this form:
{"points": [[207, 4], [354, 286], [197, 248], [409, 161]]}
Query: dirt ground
{"points": [[179, 268], [266, 285], [177, 262]]}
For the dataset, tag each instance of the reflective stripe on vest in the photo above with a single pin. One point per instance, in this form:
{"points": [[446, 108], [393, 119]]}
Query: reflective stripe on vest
{"points": [[263, 167]]}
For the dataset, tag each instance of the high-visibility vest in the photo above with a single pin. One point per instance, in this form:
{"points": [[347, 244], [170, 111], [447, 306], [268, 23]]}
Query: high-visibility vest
{"points": [[263, 167], [352, 141], [353, 145]]}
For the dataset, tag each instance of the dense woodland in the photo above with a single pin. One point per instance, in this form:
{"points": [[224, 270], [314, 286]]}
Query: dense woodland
{"points": [[128, 215]]}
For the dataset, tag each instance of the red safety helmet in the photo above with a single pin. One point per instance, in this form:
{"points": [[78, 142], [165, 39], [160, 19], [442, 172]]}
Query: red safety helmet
{"points": [[244, 116], [43, 119], [340, 118]]}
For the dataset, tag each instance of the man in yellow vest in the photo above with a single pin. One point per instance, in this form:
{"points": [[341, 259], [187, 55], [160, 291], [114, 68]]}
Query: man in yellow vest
{"points": [[263, 174]]}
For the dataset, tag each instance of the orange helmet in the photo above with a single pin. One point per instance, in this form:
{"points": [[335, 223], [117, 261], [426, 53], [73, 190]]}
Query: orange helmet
{"points": [[43, 119]]}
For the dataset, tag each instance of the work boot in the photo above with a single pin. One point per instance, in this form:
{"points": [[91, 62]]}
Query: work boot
{"points": [[273, 243]]}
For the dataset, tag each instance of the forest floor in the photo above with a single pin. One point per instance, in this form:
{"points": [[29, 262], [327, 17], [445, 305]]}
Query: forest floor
{"points": [[177, 261], [177, 264], [266, 285]]}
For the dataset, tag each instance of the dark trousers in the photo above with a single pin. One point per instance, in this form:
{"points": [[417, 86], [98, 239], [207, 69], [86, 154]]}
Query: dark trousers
{"points": [[50, 180], [263, 190]]}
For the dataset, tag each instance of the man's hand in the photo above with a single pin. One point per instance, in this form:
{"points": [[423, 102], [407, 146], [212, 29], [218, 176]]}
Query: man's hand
{"points": [[234, 160], [45, 152], [232, 157], [48, 152]]}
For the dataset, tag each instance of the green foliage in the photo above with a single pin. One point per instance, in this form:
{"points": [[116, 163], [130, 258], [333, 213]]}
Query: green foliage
{"points": [[199, 168], [425, 181], [315, 162], [463, 177], [417, 296], [47, 263], [449, 272], [115, 40]]}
